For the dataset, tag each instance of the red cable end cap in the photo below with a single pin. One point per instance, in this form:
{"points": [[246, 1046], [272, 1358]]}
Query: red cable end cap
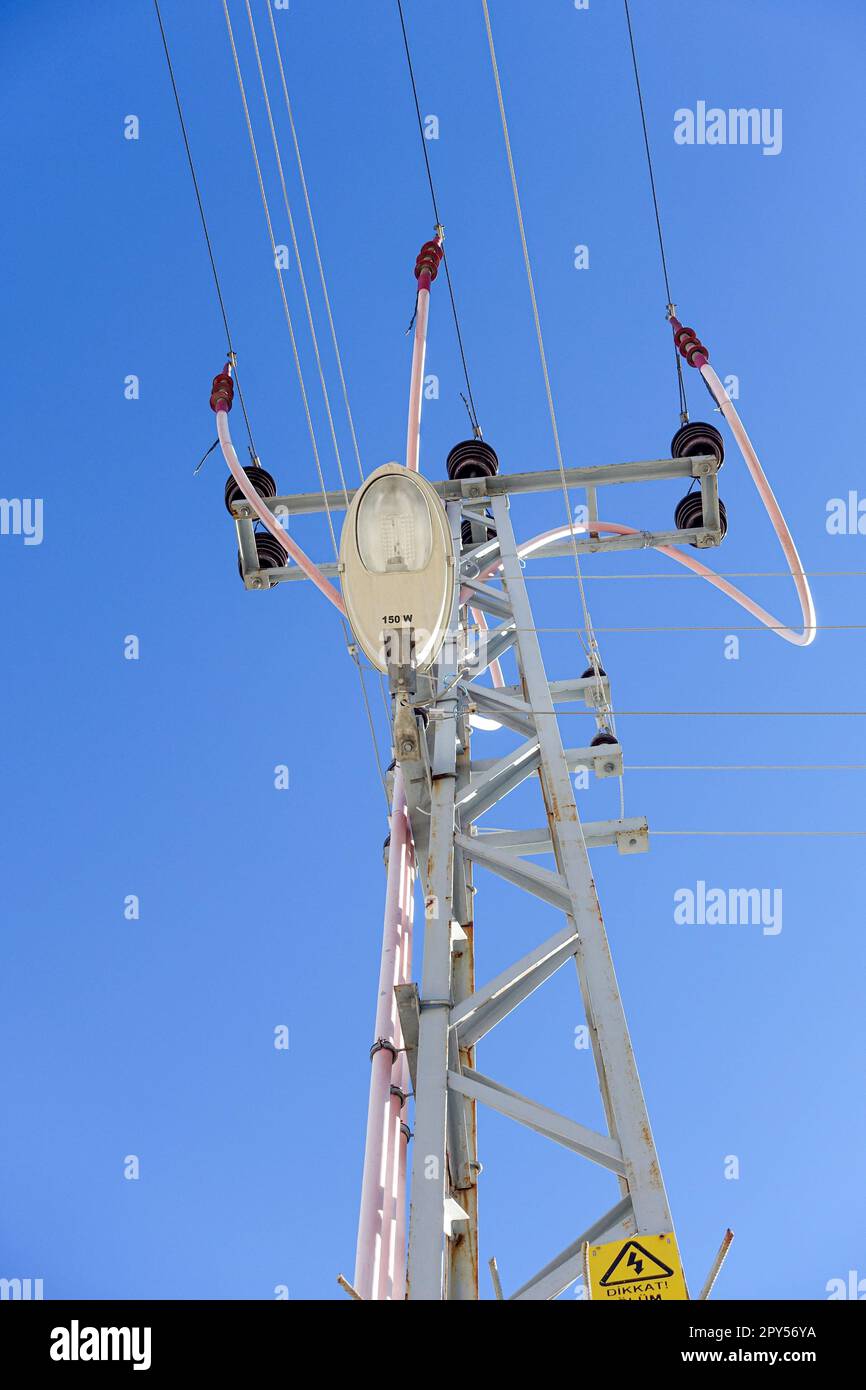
{"points": [[429, 258], [689, 345], [222, 391]]}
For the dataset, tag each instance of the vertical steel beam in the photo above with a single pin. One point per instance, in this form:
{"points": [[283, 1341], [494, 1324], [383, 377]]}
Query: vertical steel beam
{"points": [[425, 1279], [371, 1234], [462, 1270], [628, 1114]]}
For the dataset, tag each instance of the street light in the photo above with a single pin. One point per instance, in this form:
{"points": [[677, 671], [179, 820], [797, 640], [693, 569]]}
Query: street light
{"points": [[397, 566]]}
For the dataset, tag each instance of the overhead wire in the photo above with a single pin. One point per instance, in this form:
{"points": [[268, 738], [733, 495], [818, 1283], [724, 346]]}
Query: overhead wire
{"points": [[747, 767], [537, 321], [470, 402], [350, 645], [297, 250], [758, 627], [323, 282], [210, 251], [315, 240], [730, 574], [282, 289], [738, 713], [671, 307], [856, 834], [590, 644]]}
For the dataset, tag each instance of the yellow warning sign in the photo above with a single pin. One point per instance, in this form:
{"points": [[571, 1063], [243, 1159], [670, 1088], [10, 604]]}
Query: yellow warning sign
{"points": [[640, 1268]]}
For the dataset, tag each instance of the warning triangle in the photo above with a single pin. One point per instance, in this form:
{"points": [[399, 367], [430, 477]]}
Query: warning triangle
{"points": [[634, 1265]]}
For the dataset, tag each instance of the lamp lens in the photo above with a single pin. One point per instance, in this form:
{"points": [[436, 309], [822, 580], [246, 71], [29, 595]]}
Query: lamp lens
{"points": [[394, 530]]}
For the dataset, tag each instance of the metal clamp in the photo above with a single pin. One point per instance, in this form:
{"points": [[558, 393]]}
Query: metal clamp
{"points": [[400, 659], [383, 1044]]}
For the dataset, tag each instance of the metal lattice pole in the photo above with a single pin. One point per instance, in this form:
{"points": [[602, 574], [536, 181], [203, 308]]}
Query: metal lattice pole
{"points": [[452, 1015]]}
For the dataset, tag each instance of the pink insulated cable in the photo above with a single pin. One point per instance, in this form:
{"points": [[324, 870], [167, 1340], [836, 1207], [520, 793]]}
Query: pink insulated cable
{"points": [[426, 270], [774, 511], [370, 1223], [266, 517]]}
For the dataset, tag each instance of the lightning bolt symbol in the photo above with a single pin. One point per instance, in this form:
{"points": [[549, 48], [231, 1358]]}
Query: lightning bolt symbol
{"points": [[634, 1262]]}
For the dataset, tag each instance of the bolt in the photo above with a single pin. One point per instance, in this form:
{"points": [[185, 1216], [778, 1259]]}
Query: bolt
{"points": [[256, 583], [406, 746]]}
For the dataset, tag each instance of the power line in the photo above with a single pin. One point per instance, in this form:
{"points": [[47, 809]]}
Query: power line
{"points": [[325, 295], [821, 833], [737, 713], [315, 238], [473, 414], [733, 574], [747, 767], [201, 212], [297, 251], [591, 650], [684, 413], [590, 646], [762, 627], [350, 646], [282, 289]]}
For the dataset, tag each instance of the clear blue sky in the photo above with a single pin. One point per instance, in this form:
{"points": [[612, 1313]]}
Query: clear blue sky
{"points": [[262, 907]]}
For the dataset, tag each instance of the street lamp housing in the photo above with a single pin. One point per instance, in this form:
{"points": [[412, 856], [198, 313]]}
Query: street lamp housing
{"points": [[397, 565]]}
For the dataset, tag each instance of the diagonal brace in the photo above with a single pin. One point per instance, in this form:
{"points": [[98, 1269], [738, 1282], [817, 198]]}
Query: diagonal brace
{"points": [[550, 887], [478, 1014], [600, 1148]]}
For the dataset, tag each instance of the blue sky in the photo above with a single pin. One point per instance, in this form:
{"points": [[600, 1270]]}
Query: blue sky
{"points": [[155, 777]]}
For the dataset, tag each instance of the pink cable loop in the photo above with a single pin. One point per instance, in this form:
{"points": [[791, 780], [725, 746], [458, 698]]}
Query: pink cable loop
{"points": [[267, 518], [780, 526], [774, 512]]}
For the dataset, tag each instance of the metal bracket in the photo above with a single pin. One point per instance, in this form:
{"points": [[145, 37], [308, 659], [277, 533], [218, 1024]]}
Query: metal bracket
{"points": [[409, 1013]]}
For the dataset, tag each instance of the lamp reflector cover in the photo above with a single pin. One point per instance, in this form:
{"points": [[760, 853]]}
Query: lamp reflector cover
{"points": [[397, 566]]}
